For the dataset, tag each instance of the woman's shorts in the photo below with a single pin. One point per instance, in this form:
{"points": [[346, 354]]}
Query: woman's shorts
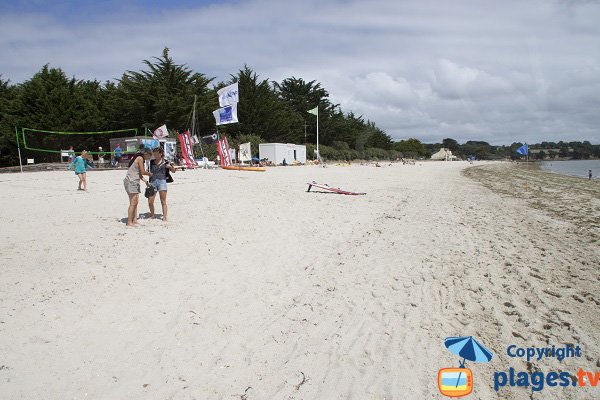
{"points": [[160, 185], [131, 187]]}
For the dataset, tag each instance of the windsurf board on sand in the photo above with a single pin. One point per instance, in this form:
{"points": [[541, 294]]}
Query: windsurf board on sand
{"points": [[328, 188]]}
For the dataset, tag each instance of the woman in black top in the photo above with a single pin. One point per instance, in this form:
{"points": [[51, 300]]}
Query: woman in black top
{"points": [[159, 167]]}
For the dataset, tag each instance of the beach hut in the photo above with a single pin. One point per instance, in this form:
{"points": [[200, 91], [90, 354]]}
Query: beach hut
{"points": [[277, 152]]}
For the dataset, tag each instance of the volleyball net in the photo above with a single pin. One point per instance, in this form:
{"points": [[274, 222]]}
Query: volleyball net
{"points": [[54, 142]]}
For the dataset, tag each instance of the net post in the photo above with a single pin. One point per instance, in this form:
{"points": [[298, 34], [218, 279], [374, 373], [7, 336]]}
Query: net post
{"points": [[19, 148]]}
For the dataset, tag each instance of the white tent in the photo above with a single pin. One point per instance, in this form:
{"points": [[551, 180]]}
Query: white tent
{"points": [[277, 152]]}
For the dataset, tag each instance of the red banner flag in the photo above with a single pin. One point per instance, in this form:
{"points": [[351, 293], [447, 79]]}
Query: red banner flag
{"points": [[187, 152], [223, 149]]}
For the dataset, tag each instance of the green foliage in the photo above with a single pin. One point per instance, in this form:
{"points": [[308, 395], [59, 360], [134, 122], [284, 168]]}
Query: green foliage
{"points": [[164, 94], [377, 154], [481, 150], [52, 101], [7, 134], [450, 144], [410, 148], [376, 138], [540, 155]]}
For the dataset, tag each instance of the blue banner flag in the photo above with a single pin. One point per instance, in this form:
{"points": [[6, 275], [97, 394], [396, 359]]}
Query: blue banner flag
{"points": [[523, 150], [226, 115]]}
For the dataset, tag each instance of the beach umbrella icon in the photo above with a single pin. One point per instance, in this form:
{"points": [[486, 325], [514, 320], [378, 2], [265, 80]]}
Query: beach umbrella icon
{"points": [[468, 348]]}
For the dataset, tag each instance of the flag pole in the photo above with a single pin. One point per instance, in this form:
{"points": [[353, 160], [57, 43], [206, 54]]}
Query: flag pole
{"points": [[194, 126], [318, 154]]}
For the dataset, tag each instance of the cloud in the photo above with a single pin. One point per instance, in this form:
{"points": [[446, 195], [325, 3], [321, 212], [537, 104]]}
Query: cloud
{"points": [[452, 81], [472, 70]]}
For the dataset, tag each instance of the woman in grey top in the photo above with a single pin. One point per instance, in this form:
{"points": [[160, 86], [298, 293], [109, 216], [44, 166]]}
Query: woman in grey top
{"points": [[132, 184], [158, 168]]}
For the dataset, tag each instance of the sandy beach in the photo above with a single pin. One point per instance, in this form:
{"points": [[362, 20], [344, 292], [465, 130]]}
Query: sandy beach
{"points": [[256, 289]]}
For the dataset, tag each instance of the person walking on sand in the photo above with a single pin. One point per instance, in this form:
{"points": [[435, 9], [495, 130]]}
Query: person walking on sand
{"points": [[590, 175], [81, 163], [118, 155], [160, 168], [135, 173]]}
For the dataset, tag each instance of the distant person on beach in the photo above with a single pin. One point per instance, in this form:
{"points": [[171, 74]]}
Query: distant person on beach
{"points": [[81, 163], [118, 154], [590, 175], [135, 173], [70, 154], [160, 168]]}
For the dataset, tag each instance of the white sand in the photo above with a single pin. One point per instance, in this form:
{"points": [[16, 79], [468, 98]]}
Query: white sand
{"points": [[255, 284]]}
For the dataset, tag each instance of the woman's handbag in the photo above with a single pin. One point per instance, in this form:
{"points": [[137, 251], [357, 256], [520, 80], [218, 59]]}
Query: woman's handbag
{"points": [[150, 191], [168, 172]]}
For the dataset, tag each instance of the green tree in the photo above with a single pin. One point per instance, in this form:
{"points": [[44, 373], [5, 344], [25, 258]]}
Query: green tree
{"points": [[8, 147], [378, 138], [164, 94], [46, 101], [300, 95], [481, 150], [451, 144], [410, 147], [51, 101]]}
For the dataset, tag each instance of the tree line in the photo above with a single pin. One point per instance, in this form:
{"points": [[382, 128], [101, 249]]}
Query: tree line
{"points": [[163, 92], [481, 150]]}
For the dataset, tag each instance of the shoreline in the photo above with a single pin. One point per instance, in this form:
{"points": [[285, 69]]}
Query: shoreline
{"points": [[553, 193]]}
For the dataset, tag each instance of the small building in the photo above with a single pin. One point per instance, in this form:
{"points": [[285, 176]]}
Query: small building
{"points": [[130, 146], [277, 152]]}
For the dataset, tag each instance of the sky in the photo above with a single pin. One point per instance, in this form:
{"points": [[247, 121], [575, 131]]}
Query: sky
{"points": [[498, 71]]}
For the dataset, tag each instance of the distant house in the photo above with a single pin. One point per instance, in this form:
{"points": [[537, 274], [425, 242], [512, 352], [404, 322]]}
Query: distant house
{"points": [[444, 155]]}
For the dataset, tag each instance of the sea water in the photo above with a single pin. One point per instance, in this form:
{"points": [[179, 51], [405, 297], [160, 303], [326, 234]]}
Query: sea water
{"points": [[578, 168]]}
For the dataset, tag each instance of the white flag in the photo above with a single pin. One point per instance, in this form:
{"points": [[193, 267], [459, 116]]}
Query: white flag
{"points": [[195, 139], [228, 95], [161, 132], [245, 152], [226, 115]]}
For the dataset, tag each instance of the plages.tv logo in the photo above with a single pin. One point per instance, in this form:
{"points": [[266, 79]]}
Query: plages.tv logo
{"points": [[458, 382]]}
